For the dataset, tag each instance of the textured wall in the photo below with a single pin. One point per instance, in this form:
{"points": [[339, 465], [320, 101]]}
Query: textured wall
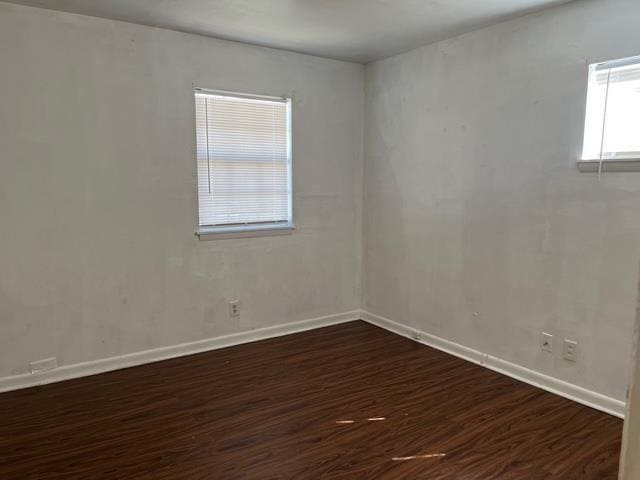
{"points": [[478, 226], [98, 190]]}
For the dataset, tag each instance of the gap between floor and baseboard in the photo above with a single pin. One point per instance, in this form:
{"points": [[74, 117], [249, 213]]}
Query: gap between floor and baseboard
{"points": [[567, 390], [77, 370], [551, 384]]}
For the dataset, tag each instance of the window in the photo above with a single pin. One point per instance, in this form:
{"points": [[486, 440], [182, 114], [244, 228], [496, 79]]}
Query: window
{"points": [[244, 162], [612, 125]]}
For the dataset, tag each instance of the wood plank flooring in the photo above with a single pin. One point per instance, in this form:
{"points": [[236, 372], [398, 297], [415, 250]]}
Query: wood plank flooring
{"points": [[345, 402]]}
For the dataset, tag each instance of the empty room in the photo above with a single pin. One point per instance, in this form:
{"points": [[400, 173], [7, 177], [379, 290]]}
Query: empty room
{"points": [[319, 239]]}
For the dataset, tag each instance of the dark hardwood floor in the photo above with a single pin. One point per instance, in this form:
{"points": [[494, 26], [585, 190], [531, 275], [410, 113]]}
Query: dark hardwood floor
{"points": [[345, 402]]}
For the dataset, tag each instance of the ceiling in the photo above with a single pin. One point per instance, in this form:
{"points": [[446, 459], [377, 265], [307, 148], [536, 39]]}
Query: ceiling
{"points": [[353, 30]]}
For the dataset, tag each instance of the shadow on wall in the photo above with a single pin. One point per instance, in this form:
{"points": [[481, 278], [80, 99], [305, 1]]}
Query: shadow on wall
{"points": [[384, 212]]}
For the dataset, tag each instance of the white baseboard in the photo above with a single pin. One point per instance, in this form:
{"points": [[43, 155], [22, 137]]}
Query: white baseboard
{"points": [[551, 384], [559, 387], [94, 367]]}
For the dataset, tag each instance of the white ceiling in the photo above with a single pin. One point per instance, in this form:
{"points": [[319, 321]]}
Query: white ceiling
{"points": [[354, 30]]}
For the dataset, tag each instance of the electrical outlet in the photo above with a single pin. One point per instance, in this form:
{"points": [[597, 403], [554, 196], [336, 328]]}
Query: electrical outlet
{"points": [[44, 365], [546, 342], [234, 308], [570, 350]]}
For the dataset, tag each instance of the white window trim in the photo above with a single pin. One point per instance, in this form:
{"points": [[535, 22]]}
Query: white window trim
{"points": [[244, 231], [611, 166], [251, 230]]}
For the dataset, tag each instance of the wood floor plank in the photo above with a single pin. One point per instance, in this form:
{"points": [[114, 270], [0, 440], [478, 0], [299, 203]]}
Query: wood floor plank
{"points": [[345, 402]]}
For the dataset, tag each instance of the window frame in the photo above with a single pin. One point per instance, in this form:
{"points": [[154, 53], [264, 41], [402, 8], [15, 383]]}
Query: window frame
{"points": [[248, 229], [606, 163]]}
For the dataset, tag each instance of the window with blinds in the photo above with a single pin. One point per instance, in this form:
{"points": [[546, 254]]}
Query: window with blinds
{"points": [[244, 162], [612, 125]]}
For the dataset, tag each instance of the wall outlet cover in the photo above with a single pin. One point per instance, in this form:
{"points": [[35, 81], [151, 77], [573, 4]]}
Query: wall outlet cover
{"points": [[234, 308], [44, 365], [570, 350]]}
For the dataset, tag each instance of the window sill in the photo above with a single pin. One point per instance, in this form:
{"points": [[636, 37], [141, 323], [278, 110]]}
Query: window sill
{"points": [[243, 231], [617, 165]]}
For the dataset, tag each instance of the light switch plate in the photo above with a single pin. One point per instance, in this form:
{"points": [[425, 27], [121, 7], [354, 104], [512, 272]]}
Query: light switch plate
{"points": [[546, 342]]}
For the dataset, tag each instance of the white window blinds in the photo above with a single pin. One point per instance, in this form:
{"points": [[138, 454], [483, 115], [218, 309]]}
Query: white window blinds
{"points": [[244, 160], [612, 125]]}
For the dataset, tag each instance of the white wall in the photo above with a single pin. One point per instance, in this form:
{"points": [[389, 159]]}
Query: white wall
{"points": [[478, 226], [98, 190], [630, 461]]}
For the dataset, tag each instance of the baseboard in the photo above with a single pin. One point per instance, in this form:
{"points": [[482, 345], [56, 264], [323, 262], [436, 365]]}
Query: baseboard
{"points": [[565, 389], [68, 372], [559, 387]]}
